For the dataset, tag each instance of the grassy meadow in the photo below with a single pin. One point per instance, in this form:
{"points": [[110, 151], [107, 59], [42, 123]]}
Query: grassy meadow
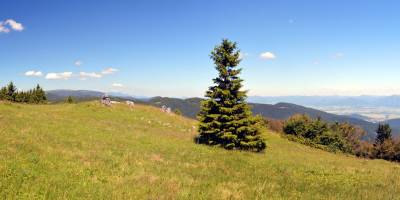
{"points": [[88, 151]]}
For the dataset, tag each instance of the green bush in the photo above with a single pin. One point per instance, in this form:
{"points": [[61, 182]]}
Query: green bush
{"points": [[334, 141], [316, 133], [296, 125], [69, 100]]}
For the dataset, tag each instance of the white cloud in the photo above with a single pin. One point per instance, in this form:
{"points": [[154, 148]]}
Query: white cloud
{"points": [[33, 73], [267, 56], [85, 75], [118, 85], [291, 21], [109, 71], [78, 63], [57, 76], [338, 55], [3, 29], [14, 25], [10, 24]]}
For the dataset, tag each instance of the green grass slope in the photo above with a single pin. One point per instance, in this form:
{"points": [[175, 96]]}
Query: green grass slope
{"points": [[87, 151]]}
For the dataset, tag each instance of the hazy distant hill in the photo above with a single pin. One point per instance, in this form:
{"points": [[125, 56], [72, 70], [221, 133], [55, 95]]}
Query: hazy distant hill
{"points": [[61, 95], [358, 116], [394, 122], [82, 95], [191, 106], [320, 101], [285, 110]]}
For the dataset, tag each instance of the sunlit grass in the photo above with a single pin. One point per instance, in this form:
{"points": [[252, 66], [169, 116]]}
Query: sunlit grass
{"points": [[87, 151]]}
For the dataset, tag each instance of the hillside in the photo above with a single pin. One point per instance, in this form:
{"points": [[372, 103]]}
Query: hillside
{"points": [[394, 122], [190, 107], [285, 110], [87, 151]]}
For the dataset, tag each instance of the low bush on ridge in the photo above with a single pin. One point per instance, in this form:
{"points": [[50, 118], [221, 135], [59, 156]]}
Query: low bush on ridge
{"points": [[317, 133], [339, 137]]}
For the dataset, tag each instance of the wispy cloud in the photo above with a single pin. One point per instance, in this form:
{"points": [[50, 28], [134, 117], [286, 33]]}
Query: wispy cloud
{"points": [[267, 56], [118, 85], [59, 76], [338, 55], [33, 73], [78, 63], [86, 75], [69, 75], [109, 71], [10, 25], [3, 29]]}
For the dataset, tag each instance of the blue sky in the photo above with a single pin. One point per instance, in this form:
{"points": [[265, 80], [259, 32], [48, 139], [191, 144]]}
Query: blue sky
{"points": [[162, 47]]}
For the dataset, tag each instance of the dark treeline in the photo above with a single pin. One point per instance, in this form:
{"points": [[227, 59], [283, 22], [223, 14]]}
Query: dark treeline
{"points": [[11, 93], [339, 137]]}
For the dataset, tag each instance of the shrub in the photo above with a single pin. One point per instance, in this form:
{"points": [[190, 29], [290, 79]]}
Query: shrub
{"points": [[334, 141], [69, 100], [317, 133], [397, 150], [178, 112], [296, 125], [365, 149], [342, 137], [275, 124], [385, 150]]}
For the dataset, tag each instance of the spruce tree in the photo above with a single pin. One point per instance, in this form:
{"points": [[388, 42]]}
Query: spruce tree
{"points": [[11, 91], [3, 93], [19, 97], [70, 100], [384, 146], [35, 95], [225, 118], [40, 94], [383, 133]]}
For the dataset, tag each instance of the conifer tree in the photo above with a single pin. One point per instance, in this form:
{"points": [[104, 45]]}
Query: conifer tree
{"points": [[3, 93], [35, 95], [225, 118], [40, 94], [384, 132], [19, 97], [384, 145], [11, 91], [70, 100]]}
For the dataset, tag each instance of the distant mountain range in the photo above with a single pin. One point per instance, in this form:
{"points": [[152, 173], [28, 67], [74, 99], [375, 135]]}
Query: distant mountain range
{"points": [[191, 106], [323, 101], [82, 95], [62, 95], [313, 101]]}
